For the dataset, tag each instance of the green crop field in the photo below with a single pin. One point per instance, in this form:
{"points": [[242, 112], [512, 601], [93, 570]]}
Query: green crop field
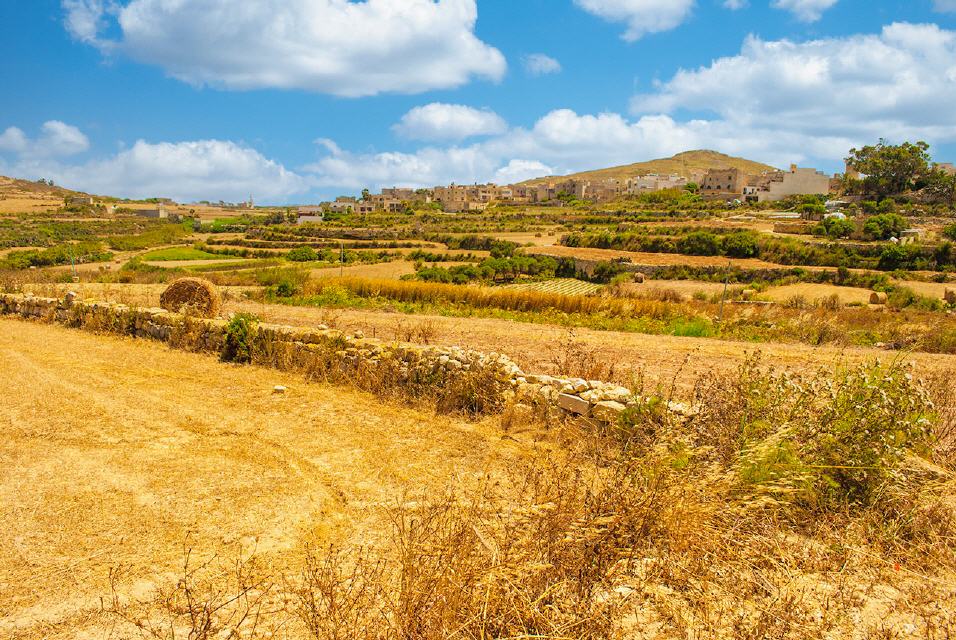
{"points": [[179, 253]]}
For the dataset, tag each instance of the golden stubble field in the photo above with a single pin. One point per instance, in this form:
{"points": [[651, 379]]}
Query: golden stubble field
{"points": [[116, 452]]}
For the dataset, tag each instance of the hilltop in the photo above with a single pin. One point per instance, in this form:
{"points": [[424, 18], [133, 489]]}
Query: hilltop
{"points": [[683, 163]]}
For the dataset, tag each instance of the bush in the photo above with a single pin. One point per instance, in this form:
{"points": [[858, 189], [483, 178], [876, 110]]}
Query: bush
{"points": [[823, 441], [302, 254], [741, 245], [885, 226], [240, 333], [699, 243]]}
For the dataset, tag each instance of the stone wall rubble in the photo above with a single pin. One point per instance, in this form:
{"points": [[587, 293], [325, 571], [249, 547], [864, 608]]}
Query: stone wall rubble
{"points": [[598, 401]]}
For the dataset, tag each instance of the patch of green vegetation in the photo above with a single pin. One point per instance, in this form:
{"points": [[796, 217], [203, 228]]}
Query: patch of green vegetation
{"points": [[240, 335], [164, 234], [70, 253], [238, 264], [179, 253]]}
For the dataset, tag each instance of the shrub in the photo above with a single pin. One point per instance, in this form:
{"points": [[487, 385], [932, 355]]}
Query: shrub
{"points": [[240, 334], [822, 441], [885, 226], [302, 254], [699, 243], [741, 245]]}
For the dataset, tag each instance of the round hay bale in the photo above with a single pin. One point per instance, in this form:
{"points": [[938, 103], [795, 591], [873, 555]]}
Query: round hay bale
{"points": [[950, 296], [877, 297], [192, 295], [639, 278]]}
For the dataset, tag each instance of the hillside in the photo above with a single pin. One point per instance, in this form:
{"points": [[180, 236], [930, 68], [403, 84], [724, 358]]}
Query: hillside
{"points": [[26, 196], [683, 163]]}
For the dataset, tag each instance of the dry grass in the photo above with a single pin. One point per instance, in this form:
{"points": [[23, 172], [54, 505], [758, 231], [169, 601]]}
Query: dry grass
{"points": [[390, 270], [815, 293], [323, 514], [497, 298], [685, 288], [115, 449]]}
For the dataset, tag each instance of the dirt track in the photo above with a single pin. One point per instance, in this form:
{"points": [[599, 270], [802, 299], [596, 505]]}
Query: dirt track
{"points": [[114, 449]]}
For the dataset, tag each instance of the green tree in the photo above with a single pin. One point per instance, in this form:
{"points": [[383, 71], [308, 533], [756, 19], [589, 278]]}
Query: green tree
{"points": [[942, 188], [884, 226], [891, 169]]}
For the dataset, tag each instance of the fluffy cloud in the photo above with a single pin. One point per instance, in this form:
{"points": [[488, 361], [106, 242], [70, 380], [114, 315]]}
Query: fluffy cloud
{"points": [[204, 169], [893, 84], [641, 16], [84, 19], [440, 121], [330, 46], [56, 139], [734, 5], [805, 10], [560, 142], [539, 64]]}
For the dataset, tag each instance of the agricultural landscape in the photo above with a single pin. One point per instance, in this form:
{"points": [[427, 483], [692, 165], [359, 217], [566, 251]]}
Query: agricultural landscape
{"points": [[772, 399], [295, 344]]}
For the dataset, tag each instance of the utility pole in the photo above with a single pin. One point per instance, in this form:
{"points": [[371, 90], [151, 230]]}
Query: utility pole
{"points": [[723, 296]]}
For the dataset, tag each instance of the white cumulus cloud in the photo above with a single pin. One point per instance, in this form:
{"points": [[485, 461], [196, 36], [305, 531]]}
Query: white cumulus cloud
{"points": [[329, 46], [84, 19], [539, 64], [203, 169], [894, 84], [56, 139], [641, 16], [440, 121], [805, 10]]}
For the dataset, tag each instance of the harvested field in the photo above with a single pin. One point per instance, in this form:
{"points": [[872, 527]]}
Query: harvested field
{"points": [[652, 259], [686, 288], [114, 450], [394, 270], [928, 289], [531, 237], [815, 292]]}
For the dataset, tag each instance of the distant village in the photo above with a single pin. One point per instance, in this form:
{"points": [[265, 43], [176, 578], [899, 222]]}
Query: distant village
{"points": [[729, 185], [714, 184]]}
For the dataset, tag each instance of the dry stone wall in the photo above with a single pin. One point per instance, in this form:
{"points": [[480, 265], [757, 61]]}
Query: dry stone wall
{"points": [[297, 347]]}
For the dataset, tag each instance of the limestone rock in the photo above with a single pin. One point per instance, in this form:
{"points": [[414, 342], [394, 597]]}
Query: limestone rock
{"points": [[574, 404]]}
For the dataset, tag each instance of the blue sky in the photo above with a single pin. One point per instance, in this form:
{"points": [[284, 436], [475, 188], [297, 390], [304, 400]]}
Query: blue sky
{"points": [[296, 100]]}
